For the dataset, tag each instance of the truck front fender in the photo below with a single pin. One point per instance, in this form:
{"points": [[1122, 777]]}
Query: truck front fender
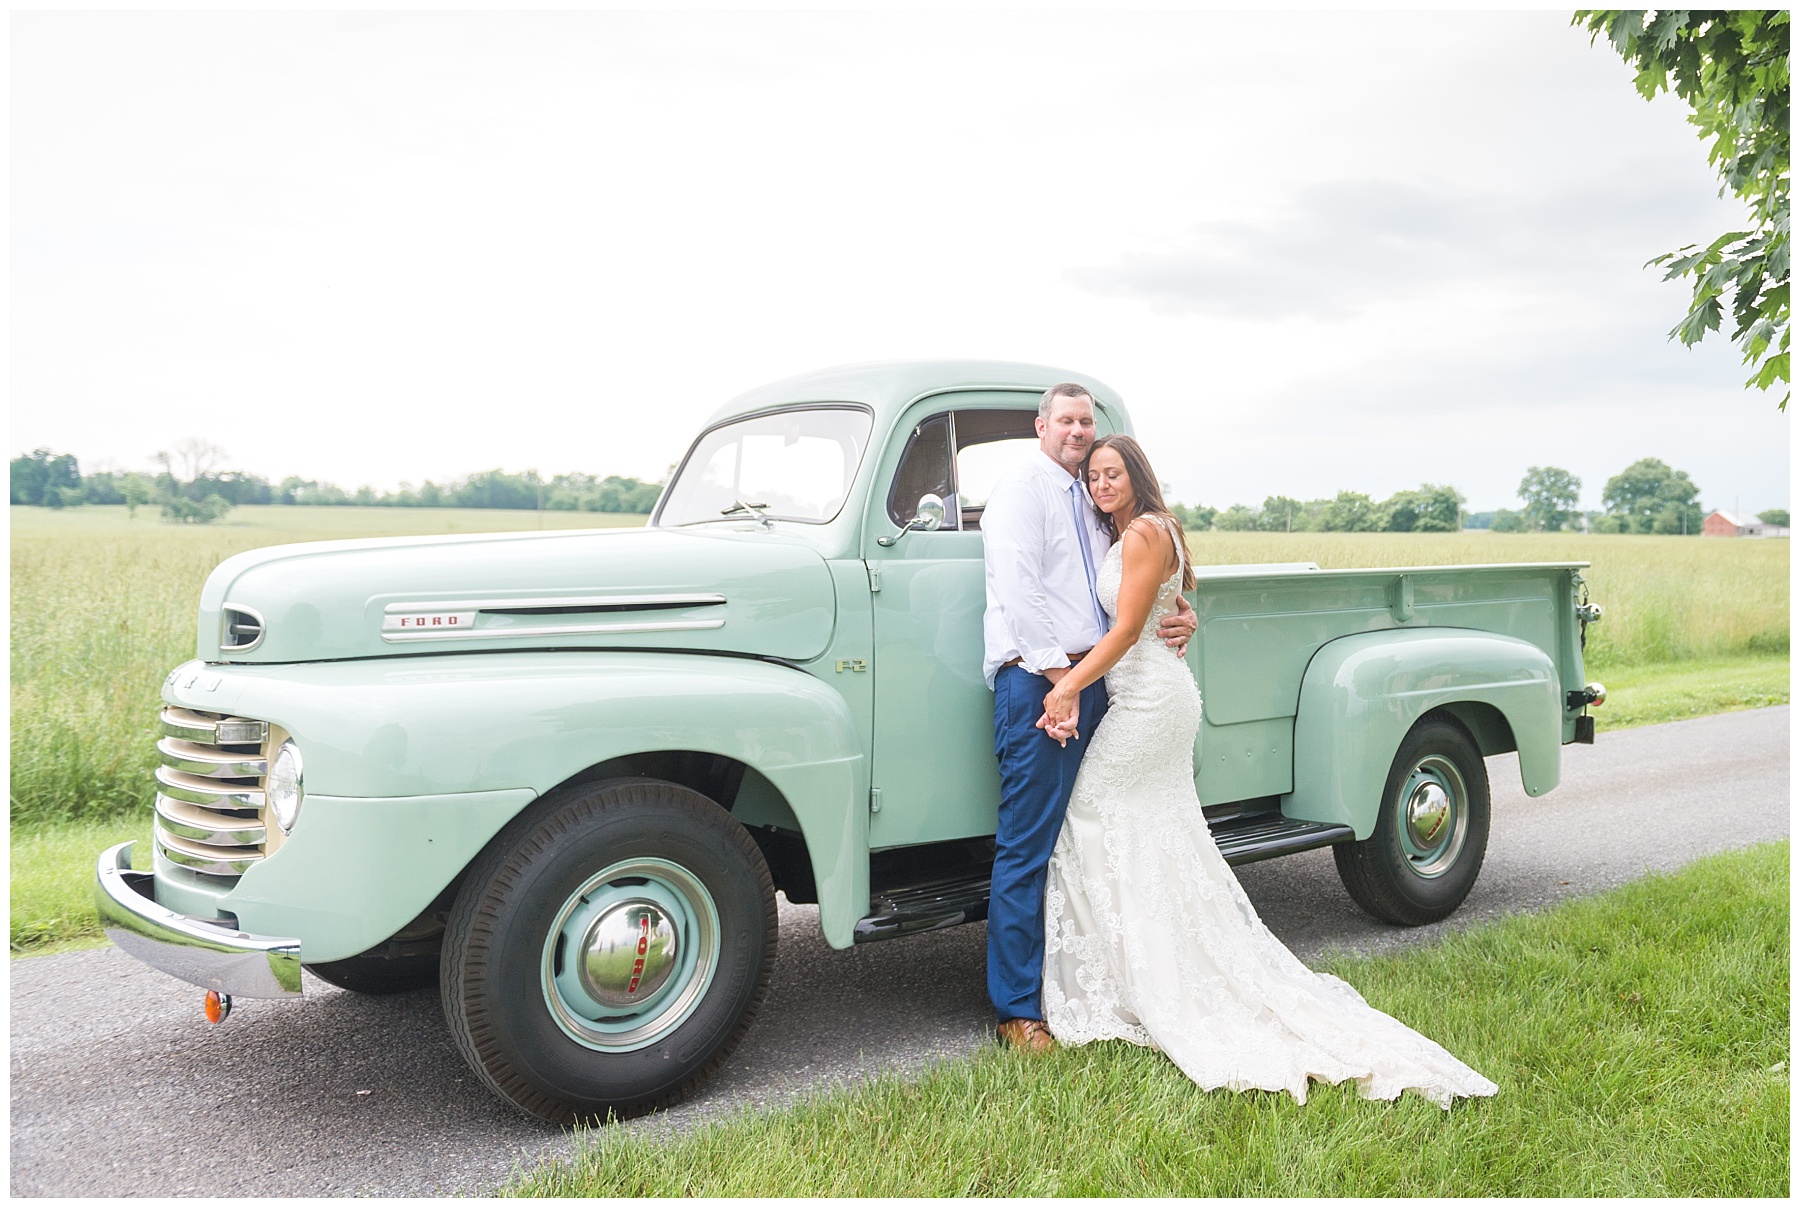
{"points": [[457, 725], [1361, 694]]}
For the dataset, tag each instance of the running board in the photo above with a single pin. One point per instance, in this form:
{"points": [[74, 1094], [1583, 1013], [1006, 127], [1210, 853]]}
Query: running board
{"points": [[910, 909], [903, 910], [1247, 839]]}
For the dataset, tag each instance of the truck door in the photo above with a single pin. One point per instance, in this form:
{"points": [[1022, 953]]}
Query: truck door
{"points": [[933, 767]]}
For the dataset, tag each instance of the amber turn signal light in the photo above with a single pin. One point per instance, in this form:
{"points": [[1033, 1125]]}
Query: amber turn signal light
{"points": [[218, 1006]]}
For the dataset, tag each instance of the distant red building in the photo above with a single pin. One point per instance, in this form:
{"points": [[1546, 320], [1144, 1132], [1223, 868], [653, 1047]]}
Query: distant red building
{"points": [[1726, 524], [1720, 524]]}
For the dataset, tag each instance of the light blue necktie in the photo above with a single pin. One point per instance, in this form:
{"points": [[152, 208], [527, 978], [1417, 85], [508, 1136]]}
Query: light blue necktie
{"points": [[1087, 552]]}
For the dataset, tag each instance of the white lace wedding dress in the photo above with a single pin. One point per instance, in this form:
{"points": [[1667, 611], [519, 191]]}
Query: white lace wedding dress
{"points": [[1150, 939]]}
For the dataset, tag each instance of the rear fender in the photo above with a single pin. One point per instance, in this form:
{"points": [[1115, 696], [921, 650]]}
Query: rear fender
{"points": [[1362, 694]]}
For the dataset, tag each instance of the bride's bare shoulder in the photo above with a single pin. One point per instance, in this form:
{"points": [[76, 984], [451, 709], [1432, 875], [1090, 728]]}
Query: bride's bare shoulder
{"points": [[1153, 536], [1149, 528]]}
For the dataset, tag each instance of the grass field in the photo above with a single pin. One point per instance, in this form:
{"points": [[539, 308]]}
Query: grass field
{"points": [[51, 888], [1655, 692], [103, 607], [1639, 1039]]}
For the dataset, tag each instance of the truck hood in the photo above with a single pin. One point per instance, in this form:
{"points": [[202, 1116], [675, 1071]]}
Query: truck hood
{"points": [[727, 591]]}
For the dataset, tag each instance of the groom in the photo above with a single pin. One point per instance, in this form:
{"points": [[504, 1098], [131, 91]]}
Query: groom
{"points": [[1043, 543]]}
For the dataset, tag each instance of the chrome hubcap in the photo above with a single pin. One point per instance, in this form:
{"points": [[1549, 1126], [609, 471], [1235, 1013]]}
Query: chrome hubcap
{"points": [[1434, 806], [1427, 813], [630, 954]]}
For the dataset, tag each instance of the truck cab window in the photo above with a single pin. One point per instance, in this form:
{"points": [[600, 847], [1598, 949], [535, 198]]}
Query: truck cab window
{"points": [[979, 467], [959, 456], [988, 444]]}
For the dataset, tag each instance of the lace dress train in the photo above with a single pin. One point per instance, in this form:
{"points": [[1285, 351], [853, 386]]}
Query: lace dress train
{"points": [[1150, 939]]}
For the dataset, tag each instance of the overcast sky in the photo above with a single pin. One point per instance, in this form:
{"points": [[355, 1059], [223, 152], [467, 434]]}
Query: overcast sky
{"points": [[1314, 251]]}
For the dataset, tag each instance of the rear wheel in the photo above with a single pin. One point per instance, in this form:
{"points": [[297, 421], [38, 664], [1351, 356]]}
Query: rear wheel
{"points": [[609, 950], [1431, 835]]}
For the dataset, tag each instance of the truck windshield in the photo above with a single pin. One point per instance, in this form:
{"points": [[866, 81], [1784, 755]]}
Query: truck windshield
{"points": [[798, 463]]}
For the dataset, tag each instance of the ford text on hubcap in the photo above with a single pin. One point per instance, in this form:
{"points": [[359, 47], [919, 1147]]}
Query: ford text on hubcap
{"points": [[630, 954]]}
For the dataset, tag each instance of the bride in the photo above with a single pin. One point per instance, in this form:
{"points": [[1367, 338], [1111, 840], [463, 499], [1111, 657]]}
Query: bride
{"points": [[1148, 936]]}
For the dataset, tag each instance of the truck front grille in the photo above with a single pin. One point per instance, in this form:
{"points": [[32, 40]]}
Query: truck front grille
{"points": [[209, 791]]}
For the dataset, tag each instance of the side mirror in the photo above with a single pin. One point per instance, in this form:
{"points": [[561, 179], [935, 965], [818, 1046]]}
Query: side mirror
{"points": [[930, 516], [928, 519]]}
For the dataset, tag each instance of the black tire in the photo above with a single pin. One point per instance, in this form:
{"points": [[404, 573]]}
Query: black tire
{"points": [[379, 974], [1418, 874], [528, 1016]]}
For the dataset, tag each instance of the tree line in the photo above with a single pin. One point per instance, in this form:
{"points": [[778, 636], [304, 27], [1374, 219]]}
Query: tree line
{"points": [[192, 488], [1648, 496], [1430, 509]]}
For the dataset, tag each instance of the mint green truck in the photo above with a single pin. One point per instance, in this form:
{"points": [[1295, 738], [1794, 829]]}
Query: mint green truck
{"points": [[562, 775]]}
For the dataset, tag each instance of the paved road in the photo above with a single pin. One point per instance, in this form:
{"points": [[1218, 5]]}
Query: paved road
{"points": [[120, 1088]]}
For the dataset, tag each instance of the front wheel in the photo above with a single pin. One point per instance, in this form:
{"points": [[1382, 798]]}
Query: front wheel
{"points": [[1431, 835], [609, 950]]}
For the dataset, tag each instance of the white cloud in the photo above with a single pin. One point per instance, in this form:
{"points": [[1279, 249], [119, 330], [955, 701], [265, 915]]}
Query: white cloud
{"points": [[1339, 248]]}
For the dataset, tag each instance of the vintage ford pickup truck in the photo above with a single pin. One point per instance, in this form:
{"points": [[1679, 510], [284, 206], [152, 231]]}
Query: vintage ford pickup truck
{"points": [[562, 775]]}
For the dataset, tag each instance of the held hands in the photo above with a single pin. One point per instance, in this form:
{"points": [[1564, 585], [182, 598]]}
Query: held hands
{"points": [[1062, 715]]}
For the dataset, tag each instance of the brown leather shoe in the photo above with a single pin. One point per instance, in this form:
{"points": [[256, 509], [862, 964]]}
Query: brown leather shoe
{"points": [[1026, 1035]]}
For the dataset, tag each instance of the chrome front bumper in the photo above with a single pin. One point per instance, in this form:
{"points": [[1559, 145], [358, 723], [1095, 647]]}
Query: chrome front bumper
{"points": [[203, 954]]}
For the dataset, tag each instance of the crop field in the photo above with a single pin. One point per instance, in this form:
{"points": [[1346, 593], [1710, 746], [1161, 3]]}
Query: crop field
{"points": [[103, 607]]}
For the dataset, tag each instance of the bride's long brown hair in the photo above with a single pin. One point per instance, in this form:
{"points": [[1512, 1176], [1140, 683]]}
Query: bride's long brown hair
{"points": [[1147, 490]]}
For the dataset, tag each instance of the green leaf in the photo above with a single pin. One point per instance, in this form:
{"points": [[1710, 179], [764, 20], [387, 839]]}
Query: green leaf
{"points": [[1775, 369], [1727, 237], [1753, 333], [1777, 256], [1702, 319], [1679, 268], [1719, 276]]}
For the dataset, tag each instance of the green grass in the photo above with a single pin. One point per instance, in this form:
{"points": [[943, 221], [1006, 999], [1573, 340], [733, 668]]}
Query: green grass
{"points": [[1646, 695], [1639, 1038], [53, 881]]}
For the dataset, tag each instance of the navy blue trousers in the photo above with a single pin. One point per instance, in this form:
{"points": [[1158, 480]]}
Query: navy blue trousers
{"points": [[1036, 778]]}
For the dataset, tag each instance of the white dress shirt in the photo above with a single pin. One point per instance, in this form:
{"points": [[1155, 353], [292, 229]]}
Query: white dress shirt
{"points": [[1041, 605]]}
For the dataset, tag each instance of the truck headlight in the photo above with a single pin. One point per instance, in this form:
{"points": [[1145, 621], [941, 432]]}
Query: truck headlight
{"points": [[286, 788]]}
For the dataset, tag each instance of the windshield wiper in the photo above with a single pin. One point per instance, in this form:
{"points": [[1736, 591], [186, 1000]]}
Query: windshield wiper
{"points": [[749, 509]]}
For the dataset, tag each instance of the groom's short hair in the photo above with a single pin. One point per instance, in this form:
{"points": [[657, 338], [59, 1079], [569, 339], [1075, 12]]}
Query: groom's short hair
{"points": [[1062, 390]]}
